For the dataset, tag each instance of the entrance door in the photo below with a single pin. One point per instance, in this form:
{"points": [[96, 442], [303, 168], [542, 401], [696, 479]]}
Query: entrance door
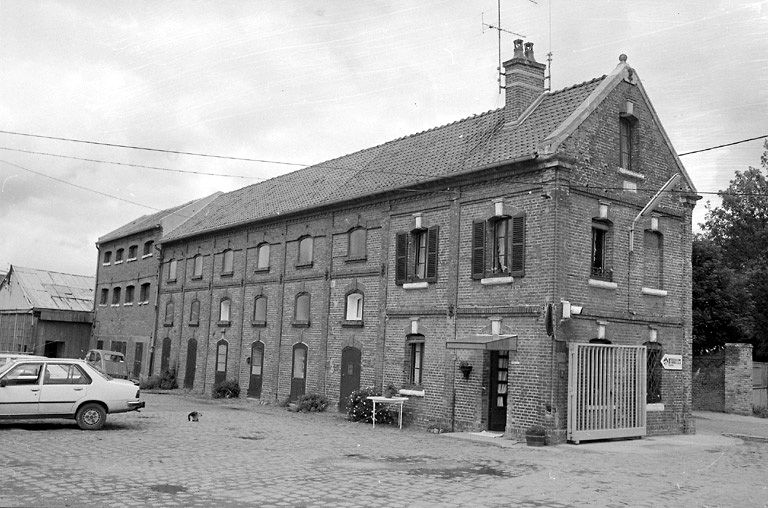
{"points": [[350, 375], [257, 366], [189, 375], [222, 351], [165, 357], [54, 349], [299, 371], [497, 404], [138, 355]]}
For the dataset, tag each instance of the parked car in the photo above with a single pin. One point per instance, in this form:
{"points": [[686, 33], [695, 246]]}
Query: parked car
{"points": [[10, 357], [63, 388], [111, 363]]}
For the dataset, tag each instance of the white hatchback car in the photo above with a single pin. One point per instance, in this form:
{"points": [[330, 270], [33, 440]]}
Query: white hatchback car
{"points": [[63, 388]]}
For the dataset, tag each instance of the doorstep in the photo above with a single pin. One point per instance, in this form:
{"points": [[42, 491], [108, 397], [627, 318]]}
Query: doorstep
{"points": [[490, 438]]}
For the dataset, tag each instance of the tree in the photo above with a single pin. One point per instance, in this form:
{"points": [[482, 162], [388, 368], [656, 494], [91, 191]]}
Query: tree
{"points": [[738, 232]]}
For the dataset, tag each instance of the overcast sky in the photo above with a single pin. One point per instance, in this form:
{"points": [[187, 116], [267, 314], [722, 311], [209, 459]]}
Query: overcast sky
{"points": [[303, 82]]}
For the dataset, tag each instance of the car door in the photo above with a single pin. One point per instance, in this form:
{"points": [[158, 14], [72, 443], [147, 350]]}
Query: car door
{"points": [[20, 390], [64, 386]]}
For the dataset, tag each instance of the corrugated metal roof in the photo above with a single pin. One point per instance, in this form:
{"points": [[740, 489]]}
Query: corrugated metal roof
{"points": [[30, 288], [460, 147]]}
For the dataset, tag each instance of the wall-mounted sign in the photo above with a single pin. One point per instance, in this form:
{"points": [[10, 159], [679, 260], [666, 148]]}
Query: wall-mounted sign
{"points": [[672, 362]]}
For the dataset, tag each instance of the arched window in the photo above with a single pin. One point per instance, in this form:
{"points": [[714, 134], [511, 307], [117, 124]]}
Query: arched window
{"points": [[172, 266], [107, 257], [147, 249], [357, 238], [260, 311], [653, 255], [224, 307], [654, 371], [129, 290], [116, 297], [194, 313], [132, 252], [305, 251], [197, 268], [169, 313], [119, 255], [262, 256], [228, 262], [301, 311], [355, 306]]}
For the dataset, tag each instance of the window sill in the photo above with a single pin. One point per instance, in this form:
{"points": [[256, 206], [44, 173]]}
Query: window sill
{"points": [[115, 305], [306, 265], [259, 324], [106, 264], [261, 270], [146, 256], [603, 284], [654, 292], [197, 277], [223, 323], [167, 325], [492, 281], [658, 406], [416, 285], [356, 260], [193, 325], [171, 281], [228, 274], [630, 173], [118, 262], [300, 324], [131, 259], [352, 323], [143, 303], [102, 305], [412, 392], [128, 304]]}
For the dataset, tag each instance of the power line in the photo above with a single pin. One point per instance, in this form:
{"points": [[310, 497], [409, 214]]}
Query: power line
{"points": [[721, 146]]}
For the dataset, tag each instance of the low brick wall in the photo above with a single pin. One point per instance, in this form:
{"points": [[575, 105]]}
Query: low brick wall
{"points": [[722, 381]]}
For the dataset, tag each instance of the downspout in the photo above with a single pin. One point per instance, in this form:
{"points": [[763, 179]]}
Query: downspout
{"points": [[455, 312], [282, 310], [159, 277]]}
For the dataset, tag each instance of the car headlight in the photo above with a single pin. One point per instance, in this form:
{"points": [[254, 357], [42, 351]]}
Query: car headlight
{"points": [[138, 392]]}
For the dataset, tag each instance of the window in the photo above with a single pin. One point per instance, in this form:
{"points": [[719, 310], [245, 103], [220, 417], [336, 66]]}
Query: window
{"points": [[104, 296], [299, 361], [625, 144], [653, 255], [222, 351], [498, 247], [132, 252], [168, 314], [305, 251], [194, 313], [224, 307], [120, 346], [148, 248], [415, 359], [129, 290], [654, 371], [257, 358], [65, 374], [227, 267], [416, 256], [260, 311], [144, 293], [301, 310], [119, 256], [355, 306], [99, 344], [357, 247], [172, 267], [115, 297], [262, 257], [601, 268], [23, 374], [197, 267], [107, 257]]}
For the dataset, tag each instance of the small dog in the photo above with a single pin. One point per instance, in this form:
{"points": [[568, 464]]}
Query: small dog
{"points": [[193, 416]]}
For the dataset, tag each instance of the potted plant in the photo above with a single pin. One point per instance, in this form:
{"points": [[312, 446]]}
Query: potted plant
{"points": [[390, 391], [536, 435]]}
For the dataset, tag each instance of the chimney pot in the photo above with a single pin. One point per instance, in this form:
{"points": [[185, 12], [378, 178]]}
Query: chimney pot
{"points": [[518, 49], [529, 51]]}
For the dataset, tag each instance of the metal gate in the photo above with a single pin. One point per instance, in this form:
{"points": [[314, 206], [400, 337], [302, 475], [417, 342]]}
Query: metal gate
{"points": [[606, 391]]}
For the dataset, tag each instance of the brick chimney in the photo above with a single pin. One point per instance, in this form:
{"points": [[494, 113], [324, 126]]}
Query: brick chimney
{"points": [[524, 80]]}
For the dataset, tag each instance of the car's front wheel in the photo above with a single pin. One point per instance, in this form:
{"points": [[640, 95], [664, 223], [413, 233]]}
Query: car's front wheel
{"points": [[91, 417]]}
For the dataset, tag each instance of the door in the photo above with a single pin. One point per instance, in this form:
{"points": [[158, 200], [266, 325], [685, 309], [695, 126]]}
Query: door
{"points": [[20, 390], [350, 375], [189, 376], [54, 349], [498, 383], [257, 366], [64, 386], [138, 355], [165, 357], [299, 371], [222, 352]]}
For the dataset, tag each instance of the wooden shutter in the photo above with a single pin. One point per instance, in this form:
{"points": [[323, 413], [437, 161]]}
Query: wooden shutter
{"points": [[401, 258], [478, 250], [517, 268], [432, 239]]}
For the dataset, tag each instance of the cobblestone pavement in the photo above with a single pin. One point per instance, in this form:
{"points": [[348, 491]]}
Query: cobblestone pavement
{"points": [[241, 453]]}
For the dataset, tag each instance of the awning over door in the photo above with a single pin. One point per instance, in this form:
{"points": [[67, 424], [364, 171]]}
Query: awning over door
{"points": [[483, 341]]}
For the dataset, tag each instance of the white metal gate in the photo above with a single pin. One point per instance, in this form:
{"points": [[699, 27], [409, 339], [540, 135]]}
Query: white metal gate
{"points": [[606, 391]]}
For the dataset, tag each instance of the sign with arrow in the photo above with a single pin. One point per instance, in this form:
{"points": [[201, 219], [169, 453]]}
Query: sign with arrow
{"points": [[672, 362]]}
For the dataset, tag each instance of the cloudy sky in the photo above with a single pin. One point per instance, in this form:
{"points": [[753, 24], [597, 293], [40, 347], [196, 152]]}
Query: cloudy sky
{"points": [[301, 82]]}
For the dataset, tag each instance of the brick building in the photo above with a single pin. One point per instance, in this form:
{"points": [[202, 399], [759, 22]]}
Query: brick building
{"points": [[461, 264], [44, 312], [127, 268]]}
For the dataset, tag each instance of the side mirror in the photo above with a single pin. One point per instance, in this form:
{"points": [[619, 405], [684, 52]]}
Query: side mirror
{"points": [[3, 382]]}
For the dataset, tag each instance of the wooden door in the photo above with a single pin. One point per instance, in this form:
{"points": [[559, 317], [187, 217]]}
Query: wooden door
{"points": [[257, 366], [138, 355], [165, 357], [498, 384], [350, 375], [189, 376], [299, 371]]}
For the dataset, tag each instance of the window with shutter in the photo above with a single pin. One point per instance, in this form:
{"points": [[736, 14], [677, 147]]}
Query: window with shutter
{"points": [[432, 239], [478, 250], [401, 258], [517, 264]]}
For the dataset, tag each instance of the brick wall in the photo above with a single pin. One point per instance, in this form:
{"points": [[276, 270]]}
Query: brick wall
{"points": [[738, 379]]}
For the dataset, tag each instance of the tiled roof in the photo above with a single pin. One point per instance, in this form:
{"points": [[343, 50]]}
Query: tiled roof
{"points": [[143, 223], [41, 289], [460, 147]]}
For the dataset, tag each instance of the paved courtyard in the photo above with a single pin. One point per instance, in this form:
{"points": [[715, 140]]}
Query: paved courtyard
{"points": [[241, 453]]}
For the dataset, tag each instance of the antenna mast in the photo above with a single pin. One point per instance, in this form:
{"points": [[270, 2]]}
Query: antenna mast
{"points": [[498, 29]]}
